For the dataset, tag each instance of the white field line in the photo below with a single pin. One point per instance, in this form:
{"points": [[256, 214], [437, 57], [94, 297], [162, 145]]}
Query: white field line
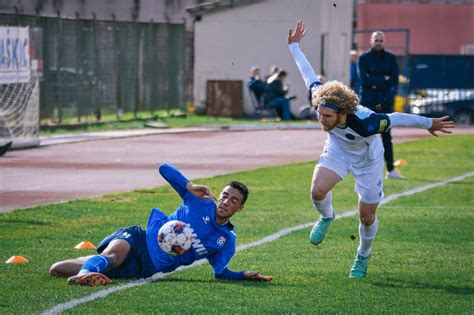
{"points": [[135, 283]]}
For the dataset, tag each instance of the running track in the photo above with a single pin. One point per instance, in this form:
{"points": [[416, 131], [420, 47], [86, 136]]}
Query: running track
{"points": [[76, 170]]}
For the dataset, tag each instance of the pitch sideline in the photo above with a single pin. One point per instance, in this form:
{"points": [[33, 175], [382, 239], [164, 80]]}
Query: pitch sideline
{"points": [[135, 283]]}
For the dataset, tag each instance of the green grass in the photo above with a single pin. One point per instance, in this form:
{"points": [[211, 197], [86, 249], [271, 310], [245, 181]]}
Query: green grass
{"points": [[421, 263], [175, 120]]}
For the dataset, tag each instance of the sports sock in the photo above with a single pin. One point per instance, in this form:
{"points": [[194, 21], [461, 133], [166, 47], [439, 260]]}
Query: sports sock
{"points": [[367, 236], [324, 206], [98, 263]]}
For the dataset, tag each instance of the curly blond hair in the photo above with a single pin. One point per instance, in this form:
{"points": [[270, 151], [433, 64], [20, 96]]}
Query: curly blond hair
{"points": [[337, 93]]}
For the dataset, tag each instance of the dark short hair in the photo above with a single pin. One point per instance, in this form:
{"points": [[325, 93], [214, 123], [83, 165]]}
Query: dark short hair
{"points": [[241, 188], [282, 73]]}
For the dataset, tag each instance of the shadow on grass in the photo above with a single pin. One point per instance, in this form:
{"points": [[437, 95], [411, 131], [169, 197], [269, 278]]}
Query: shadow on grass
{"points": [[397, 283], [28, 222], [209, 281]]}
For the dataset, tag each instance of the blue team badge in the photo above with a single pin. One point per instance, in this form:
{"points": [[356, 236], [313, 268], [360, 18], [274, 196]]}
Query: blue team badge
{"points": [[350, 136], [221, 241]]}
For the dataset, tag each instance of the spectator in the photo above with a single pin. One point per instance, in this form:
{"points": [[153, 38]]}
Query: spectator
{"points": [[378, 71], [273, 74], [255, 84], [275, 96], [355, 81]]}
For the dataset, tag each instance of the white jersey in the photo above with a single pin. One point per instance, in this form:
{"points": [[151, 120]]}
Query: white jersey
{"points": [[357, 141]]}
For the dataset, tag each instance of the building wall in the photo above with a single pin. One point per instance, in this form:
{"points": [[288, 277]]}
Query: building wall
{"points": [[158, 11], [443, 29], [229, 42]]}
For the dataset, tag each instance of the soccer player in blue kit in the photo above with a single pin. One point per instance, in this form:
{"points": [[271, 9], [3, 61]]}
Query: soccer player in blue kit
{"points": [[134, 253], [352, 146]]}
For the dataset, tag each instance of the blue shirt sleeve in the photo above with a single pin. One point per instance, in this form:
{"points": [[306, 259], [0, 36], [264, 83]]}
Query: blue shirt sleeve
{"points": [[220, 260], [230, 275], [367, 123], [176, 179]]}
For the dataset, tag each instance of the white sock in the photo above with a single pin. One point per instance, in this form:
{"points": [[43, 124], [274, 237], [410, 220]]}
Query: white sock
{"points": [[367, 236], [324, 206]]}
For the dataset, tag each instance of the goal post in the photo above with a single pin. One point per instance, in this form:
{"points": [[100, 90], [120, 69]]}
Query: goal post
{"points": [[19, 89]]}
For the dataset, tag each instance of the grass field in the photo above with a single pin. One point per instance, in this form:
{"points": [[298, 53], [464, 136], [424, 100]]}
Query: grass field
{"points": [[130, 122], [422, 260]]}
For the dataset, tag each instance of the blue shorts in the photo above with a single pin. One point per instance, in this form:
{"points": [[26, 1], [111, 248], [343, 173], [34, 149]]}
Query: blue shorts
{"points": [[138, 263]]}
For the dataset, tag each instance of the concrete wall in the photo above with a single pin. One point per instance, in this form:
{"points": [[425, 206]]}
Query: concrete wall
{"points": [[229, 42]]}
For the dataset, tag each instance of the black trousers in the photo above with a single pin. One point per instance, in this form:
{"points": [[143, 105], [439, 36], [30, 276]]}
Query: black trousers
{"points": [[380, 103], [388, 150]]}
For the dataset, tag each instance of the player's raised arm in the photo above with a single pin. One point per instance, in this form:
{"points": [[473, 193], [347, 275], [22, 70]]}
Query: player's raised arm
{"points": [[200, 191], [297, 35], [182, 184], [294, 38]]}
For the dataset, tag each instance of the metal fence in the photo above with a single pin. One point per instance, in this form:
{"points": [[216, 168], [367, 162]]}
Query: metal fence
{"points": [[101, 67]]}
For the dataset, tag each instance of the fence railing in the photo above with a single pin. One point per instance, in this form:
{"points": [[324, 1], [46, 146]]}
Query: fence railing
{"points": [[95, 67]]}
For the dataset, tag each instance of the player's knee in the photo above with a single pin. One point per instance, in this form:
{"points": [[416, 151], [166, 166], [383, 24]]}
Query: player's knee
{"points": [[115, 259], [56, 270], [318, 194], [367, 220]]}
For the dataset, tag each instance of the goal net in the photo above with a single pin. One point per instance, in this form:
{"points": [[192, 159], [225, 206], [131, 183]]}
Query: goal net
{"points": [[19, 89], [19, 113]]}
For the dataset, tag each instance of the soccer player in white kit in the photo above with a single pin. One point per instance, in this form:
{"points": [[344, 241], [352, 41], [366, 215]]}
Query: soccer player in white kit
{"points": [[352, 146]]}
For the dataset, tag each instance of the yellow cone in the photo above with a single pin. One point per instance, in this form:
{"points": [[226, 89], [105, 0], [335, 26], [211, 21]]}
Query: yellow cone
{"points": [[84, 244], [16, 260], [400, 163]]}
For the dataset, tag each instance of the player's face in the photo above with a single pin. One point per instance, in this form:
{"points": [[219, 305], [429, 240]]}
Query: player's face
{"points": [[377, 42], [328, 118], [229, 202]]}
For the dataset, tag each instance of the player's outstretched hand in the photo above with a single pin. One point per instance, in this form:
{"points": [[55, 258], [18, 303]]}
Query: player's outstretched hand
{"points": [[296, 35], [441, 124], [200, 191], [256, 276]]}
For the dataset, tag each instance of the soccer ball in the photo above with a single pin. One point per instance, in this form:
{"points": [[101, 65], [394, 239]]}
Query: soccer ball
{"points": [[175, 237]]}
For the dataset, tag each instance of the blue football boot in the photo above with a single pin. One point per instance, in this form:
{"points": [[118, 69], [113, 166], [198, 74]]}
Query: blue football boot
{"points": [[359, 269], [318, 232]]}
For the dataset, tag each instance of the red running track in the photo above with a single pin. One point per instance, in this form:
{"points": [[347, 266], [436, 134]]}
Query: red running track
{"points": [[77, 170]]}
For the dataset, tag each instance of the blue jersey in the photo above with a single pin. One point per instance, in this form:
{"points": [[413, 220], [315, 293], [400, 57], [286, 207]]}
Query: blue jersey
{"points": [[211, 240]]}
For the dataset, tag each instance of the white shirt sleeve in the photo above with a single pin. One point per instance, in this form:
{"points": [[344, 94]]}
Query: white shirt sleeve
{"points": [[306, 70], [409, 120]]}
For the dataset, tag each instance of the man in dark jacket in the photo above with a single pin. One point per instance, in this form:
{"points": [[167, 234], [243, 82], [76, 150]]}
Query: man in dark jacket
{"points": [[255, 84], [378, 72], [275, 96]]}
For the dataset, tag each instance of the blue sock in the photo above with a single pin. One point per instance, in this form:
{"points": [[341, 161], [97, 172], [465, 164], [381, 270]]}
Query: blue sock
{"points": [[97, 263]]}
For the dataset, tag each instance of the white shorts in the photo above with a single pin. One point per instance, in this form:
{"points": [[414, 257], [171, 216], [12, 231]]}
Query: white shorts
{"points": [[368, 177]]}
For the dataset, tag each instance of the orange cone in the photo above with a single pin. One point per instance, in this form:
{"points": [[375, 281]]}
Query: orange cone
{"points": [[16, 260], [400, 163], [83, 245]]}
